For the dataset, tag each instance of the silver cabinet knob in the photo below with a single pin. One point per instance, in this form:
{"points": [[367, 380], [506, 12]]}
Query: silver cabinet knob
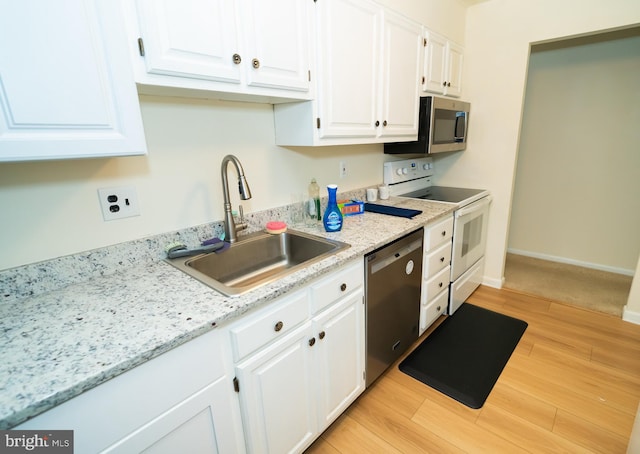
{"points": [[255, 63], [237, 59]]}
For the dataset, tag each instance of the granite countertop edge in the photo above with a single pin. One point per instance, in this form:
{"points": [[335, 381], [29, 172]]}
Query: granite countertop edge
{"points": [[61, 343]]}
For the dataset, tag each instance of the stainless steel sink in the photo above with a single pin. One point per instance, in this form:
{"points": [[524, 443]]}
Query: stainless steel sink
{"points": [[257, 259]]}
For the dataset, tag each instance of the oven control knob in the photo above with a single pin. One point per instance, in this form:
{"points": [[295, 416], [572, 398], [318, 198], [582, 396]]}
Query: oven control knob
{"points": [[405, 171], [399, 171]]}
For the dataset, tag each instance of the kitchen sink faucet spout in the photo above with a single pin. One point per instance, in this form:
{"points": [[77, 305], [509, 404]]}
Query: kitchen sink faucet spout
{"points": [[230, 226]]}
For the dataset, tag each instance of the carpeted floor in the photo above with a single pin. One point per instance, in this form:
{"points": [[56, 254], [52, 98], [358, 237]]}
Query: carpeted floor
{"points": [[592, 289]]}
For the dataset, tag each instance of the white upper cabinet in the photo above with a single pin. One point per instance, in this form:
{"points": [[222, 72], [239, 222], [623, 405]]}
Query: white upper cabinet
{"points": [[242, 48], [190, 38], [277, 49], [442, 72], [349, 44], [401, 73], [367, 79], [66, 84]]}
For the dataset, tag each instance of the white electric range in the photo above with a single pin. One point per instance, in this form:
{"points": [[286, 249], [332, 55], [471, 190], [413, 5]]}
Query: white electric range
{"points": [[412, 178]]}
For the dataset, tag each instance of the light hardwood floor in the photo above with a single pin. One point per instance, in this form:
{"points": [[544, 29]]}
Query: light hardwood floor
{"points": [[572, 385]]}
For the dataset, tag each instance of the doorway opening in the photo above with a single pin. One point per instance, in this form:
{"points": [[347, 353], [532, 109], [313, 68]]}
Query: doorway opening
{"points": [[575, 210]]}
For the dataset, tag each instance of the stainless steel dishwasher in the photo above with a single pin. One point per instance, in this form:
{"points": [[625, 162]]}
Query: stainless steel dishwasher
{"points": [[392, 299]]}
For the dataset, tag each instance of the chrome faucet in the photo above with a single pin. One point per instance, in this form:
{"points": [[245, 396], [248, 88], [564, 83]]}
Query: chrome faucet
{"points": [[230, 226]]}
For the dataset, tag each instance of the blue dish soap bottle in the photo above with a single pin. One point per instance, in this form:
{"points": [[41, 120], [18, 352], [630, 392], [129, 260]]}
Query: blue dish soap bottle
{"points": [[332, 218]]}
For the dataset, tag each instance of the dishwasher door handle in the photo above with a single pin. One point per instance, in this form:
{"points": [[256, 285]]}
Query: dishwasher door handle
{"points": [[399, 254]]}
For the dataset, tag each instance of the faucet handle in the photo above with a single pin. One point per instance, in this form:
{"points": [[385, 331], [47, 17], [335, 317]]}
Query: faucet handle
{"points": [[241, 211]]}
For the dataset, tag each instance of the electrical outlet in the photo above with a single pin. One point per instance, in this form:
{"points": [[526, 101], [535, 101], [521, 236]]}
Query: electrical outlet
{"points": [[118, 203], [343, 169]]}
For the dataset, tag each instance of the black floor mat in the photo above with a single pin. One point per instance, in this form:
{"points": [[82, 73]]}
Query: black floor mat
{"points": [[464, 356]]}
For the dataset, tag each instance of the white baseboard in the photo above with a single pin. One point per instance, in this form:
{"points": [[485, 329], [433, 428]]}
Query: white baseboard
{"points": [[553, 258], [630, 316], [492, 282]]}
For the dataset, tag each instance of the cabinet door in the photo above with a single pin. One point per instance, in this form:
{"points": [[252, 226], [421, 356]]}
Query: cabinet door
{"points": [[190, 38], [200, 424], [339, 332], [349, 51], [400, 96], [435, 64], [66, 83], [454, 64], [276, 395], [277, 53]]}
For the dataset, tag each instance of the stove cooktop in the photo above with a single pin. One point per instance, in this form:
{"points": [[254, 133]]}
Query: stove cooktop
{"points": [[444, 194]]}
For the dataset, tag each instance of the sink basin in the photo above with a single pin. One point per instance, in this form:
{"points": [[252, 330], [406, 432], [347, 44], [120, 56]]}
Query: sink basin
{"points": [[257, 259]]}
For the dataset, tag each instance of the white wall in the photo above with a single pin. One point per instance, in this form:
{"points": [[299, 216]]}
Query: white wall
{"points": [[578, 173], [498, 35], [49, 209], [446, 17]]}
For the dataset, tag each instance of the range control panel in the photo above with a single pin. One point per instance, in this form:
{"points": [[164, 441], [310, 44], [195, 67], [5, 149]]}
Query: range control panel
{"points": [[406, 170]]}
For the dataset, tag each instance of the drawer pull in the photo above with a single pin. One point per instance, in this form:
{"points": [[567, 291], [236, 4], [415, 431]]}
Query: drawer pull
{"points": [[237, 59], [444, 233], [438, 308], [321, 335], [278, 326], [440, 285], [442, 259], [343, 287], [312, 342]]}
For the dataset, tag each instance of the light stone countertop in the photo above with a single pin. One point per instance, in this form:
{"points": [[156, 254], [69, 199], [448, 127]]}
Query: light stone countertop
{"points": [[61, 342]]}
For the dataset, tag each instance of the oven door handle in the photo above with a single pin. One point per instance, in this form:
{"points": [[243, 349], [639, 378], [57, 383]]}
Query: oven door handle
{"points": [[475, 206]]}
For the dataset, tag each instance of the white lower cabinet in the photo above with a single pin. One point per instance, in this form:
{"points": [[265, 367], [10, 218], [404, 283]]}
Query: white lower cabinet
{"points": [[436, 271], [181, 401], [196, 425], [276, 395], [339, 357], [295, 386]]}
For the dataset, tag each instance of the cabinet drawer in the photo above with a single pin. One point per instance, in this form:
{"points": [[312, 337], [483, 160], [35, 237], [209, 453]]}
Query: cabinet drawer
{"points": [[430, 312], [436, 260], [438, 233], [269, 325], [434, 285], [337, 285]]}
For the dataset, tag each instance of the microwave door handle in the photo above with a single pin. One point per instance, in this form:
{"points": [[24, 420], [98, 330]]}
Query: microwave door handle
{"points": [[459, 115]]}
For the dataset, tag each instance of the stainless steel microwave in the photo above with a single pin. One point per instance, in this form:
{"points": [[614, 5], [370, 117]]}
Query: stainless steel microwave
{"points": [[443, 125]]}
